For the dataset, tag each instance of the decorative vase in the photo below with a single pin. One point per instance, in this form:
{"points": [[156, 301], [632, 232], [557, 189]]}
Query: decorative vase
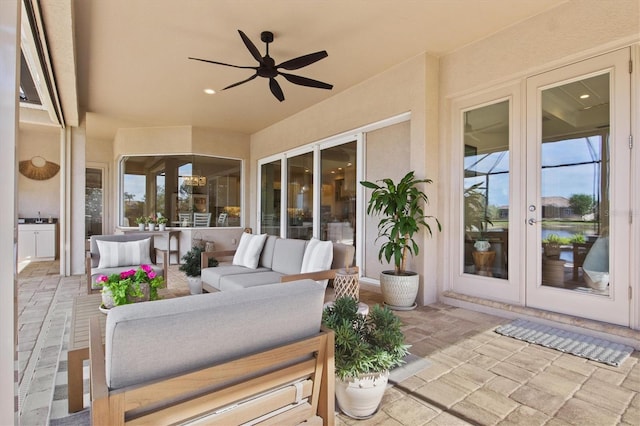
{"points": [[195, 284], [482, 245], [162, 227], [360, 397], [152, 227], [141, 226], [107, 299], [399, 291]]}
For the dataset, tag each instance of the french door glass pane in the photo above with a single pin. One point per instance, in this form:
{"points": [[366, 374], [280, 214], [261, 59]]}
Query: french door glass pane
{"points": [[338, 197], [575, 186], [300, 197], [270, 201], [93, 202], [486, 190]]}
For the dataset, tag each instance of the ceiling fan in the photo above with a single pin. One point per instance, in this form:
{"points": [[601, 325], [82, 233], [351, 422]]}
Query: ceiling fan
{"points": [[267, 67]]}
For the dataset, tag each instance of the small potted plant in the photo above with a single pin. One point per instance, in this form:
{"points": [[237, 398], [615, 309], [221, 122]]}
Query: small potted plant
{"points": [[151, 222], [400, 206], [366, 348], [142, 222], [551, 245], [129, 286], [192, 268], [476, 217], [162, 223]]}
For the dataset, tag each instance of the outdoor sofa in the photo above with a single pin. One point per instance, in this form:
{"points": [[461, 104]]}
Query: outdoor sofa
{"points": [[224, 358], [266, 259]]}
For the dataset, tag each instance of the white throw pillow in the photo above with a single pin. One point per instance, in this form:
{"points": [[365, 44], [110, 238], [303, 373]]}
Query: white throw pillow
{"points": [[249, 250], [317, 256], [123, 253]]}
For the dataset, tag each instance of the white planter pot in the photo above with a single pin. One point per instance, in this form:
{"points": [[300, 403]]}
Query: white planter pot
{"points": [[152, 227], [162, 227], [195, 284], [141, 226], [482, 245], [399, 291], [360, 398]]}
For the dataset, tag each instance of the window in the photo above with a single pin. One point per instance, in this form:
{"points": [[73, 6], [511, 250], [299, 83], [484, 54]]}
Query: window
{"points": [[178, 186]]}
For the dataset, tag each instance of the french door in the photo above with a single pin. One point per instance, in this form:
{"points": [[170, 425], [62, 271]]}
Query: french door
{"points": [[578, 189]]}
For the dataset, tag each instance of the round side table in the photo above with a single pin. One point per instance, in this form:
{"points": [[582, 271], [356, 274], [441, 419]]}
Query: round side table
{"points": [[346, 283]]}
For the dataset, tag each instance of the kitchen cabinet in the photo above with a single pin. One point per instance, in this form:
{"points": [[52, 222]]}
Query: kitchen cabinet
{"points": [[37, 241]]}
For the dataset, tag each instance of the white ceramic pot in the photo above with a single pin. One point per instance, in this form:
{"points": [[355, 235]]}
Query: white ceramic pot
{"points": [[399, 291], [482, 245], [195, 284], [360, 397], [141, 226], [162, 227], [152, 227]]}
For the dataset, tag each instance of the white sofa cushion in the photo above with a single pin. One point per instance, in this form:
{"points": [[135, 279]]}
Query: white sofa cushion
{"points": [[119, 253], [249, 249], [317, 256]]}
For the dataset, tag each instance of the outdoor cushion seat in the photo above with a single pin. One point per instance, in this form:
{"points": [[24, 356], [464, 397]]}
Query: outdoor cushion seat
{"points": [[240, 281], [214, 275]]}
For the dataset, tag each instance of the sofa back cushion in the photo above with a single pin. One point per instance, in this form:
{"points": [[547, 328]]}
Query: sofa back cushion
{"points": [[287, 255], [342, 255], [206, 329], [266, 258], [249, 250]]}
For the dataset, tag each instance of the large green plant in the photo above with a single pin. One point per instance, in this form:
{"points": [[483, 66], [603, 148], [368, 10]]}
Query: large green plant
{"points": [[364, 344], [191, 262], [476, 215], [401, 207]]}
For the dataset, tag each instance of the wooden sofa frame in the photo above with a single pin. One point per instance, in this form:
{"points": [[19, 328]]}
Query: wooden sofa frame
{"points": [[245, 389]]}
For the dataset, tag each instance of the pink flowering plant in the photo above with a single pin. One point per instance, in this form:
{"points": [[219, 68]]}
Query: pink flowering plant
{"points": [[126, 286]]}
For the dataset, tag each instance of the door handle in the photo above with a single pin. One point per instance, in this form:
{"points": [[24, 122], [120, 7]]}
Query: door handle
{"points": [[532, 221]]}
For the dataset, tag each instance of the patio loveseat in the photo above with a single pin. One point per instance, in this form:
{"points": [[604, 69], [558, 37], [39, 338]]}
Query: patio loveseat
{"points": [[235, 357], [262, 259], [112, 254]]}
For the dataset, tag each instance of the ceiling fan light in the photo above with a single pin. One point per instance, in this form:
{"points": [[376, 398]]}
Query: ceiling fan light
{"points": [[209, 91]]}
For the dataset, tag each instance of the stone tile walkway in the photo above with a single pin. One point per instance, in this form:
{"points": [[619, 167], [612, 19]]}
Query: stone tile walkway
{"points": [[475, 376]]}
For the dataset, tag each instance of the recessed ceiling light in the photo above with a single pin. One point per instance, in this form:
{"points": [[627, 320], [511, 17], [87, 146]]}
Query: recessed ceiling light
{"points": [[585, 96], [209, 91]]}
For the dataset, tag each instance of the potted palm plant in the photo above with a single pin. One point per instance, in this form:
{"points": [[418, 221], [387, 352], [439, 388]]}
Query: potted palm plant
{"points": [[400, 206], [192, 268], [476, 216], [366, 348]]}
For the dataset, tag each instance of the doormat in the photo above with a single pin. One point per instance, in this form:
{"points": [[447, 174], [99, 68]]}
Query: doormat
{"points": [[413, 364], [592, 348]]}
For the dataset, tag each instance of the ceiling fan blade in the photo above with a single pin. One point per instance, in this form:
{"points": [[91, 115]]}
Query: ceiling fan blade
{"points": [[303, 61], [241, 82], [252, 47], [304, 81], [276, 89], [222, 63]]}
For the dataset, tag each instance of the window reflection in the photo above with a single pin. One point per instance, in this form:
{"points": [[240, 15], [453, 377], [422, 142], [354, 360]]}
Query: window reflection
{"points": [[486, 190], [270, 199], [338, 199], [182, 188], [300, 197]]}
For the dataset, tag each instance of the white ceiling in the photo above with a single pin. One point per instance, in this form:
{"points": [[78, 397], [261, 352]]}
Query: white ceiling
{"points": [[132, 66]]}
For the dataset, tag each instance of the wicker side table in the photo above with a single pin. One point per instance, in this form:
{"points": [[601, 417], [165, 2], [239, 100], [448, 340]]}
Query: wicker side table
{"points": [[346, 283]]}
